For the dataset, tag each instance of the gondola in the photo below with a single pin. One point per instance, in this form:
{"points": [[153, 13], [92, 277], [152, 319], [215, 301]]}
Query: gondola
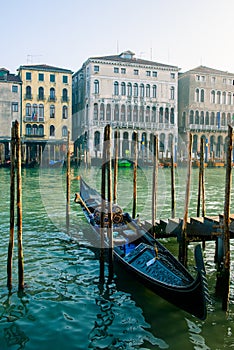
{"points": [[146, 258]]}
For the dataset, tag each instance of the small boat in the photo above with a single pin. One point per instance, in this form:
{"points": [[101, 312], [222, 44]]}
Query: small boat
{"points": [[146, 258], [56, 163], [125, 163]]}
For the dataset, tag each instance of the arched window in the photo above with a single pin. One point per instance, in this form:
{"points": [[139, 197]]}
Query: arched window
{"points": [[96, 86], [202, 95], [129, 113], [129, 89], [65, 112], [191, 117], [172, 90], [28, 130], [52, 111], [218, 97], [34, 129], [224, 98], [116, 113], [135, 114], [116, 88], [123, 89], [28, 92], [147, 91], [229, 118], [212, 96], [212, 141], [28, 110], [108, 112], [52, 94], [172, 116], [229, 98], [97, 140], [41, 93], [223, 119], [41, 130], [52, 130], [161, 115], [207, 120], [194, 148], [41, 112], [197, 95], [142, 90], [162, 142], [154, 91], [197, 117], [64, 97], [212, 119], [166, 115], [153, 116], [102, 111], [34, 112], [95, 111], [170, 142], [135, 90], [202, 118], [141, 114], [147, 114], [123, 113], [64, 131]]}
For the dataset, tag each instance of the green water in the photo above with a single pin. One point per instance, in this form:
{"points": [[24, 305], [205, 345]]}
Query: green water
{"points": [[64, 306]]}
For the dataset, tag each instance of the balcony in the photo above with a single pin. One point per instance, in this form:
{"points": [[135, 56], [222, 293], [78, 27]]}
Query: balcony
{"points": [[33, 119], [65, 99], [40, 98], [28, 96], [52, 99]]}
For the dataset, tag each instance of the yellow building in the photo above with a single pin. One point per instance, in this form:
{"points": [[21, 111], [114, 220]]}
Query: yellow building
{"points": [[46, 112]]}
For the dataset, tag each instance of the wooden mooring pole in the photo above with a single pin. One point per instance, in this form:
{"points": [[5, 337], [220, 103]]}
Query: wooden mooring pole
{"points": [[172, 182], [19, 209], [12, 210], [110, 201], [103, 207], [116, 166], [201, 182], [223, 277], [183, 244], [154, 182], [68, 183], [135, 145]]}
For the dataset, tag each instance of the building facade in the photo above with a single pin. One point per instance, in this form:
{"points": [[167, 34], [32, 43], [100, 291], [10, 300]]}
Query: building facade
{"points": [[10, 109], [205, 108], [130, 94], [46, 111]]}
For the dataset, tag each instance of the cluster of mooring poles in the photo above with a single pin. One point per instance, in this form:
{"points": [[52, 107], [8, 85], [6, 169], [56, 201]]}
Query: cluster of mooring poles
{"points": [[223, 240], [15, 169]]}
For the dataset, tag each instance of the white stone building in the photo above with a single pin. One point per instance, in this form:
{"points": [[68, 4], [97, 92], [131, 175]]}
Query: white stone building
{"points": [[206, 107], [130, 94]]}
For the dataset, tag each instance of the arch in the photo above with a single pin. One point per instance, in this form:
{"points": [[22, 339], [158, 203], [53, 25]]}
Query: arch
{"points": [[202, 95], [129, 89], [135, 90], [195, 144], [108, 112], [172, 116], [197, 117], [41, 130], [52, 94], [52, 111], [147, 114], [154, 91], [116, 112], [166, 115], [135, 114], [41, 112], [28, 92], [123, 89], [52, 130], [170, 142], [147, 90], [28, 130], [197, 95], [65, 95], [212, 96], [96, 86], [102, 111], [153, 115], [65, 112], [95, 111], [202, 119], [162, 142], [116, 88], [129, 113], [161, 115], [207, 119], [97, 138], [41, 93], [212, 118], [125, 144], [142, 90], [28, 110], [123, 113], [142, 112], [191, 117]]}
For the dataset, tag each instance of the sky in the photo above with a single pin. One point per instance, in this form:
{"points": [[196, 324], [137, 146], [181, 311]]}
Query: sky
{"points": [[183, 33]]}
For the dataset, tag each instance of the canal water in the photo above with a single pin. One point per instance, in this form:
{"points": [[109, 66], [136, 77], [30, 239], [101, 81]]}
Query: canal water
{"points": [[64, 306]]}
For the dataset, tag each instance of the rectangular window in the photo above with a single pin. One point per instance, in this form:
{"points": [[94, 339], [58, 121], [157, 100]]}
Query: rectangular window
{"points": [[172, 75], [155, 74], [213, 79], [148, 73], [28, 76], [52, 78], [123, 70], [14, 88], [14, 106], [96, 68], [65, 79], [116, 70], [224, 81], [40, 76], [136, 72]]}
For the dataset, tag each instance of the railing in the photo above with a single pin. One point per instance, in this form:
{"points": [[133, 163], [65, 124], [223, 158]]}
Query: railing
{"points": [[132, 125], [207, 127], [28, 96], [34, 119]]}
